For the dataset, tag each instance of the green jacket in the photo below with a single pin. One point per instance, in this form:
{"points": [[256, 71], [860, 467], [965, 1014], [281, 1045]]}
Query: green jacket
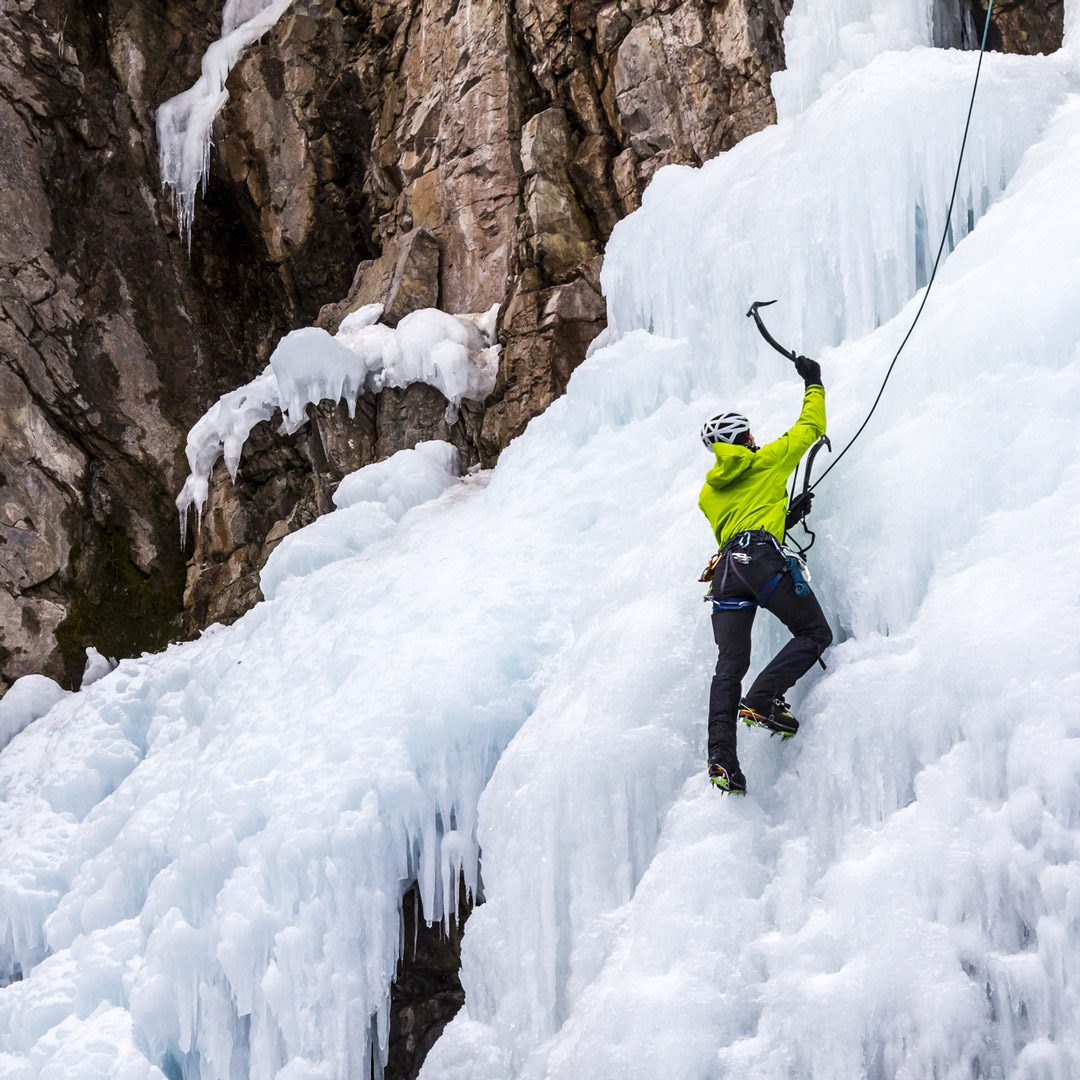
{"points": [[747, 489]]}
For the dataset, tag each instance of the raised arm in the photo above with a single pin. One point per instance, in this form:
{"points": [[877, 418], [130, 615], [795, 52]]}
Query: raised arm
{"points": [[811, 423]]}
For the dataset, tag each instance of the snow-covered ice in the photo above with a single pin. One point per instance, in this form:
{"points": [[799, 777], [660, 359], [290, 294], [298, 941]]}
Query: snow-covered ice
{"points": [[97, 666], [370, 502], [456, 354], [26, 700], [202, 854]]}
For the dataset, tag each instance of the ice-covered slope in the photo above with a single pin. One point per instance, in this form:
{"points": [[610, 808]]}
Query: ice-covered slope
{"points": [[900, 894], [202, 854]]}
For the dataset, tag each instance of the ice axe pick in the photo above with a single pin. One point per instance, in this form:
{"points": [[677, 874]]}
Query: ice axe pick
{"points": [[755, 314]]}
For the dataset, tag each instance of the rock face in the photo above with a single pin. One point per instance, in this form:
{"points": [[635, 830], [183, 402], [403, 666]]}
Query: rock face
{"points": [[514, 138], [1023, 26], [486, 160], [427, 991], [108, 335]]}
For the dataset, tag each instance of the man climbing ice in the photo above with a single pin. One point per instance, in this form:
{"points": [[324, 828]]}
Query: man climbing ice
{"points": [[745, 500]]}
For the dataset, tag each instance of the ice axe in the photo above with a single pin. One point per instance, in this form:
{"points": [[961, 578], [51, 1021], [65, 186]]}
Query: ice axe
{"points": [[800, 504], [753, 312]]}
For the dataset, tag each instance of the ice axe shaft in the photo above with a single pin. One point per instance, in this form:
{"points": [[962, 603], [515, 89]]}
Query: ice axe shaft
{"points": [[753, 312]]}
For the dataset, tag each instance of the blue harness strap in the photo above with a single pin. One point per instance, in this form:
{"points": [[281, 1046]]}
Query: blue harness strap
{"points": [[731, 605], [771, 586]]}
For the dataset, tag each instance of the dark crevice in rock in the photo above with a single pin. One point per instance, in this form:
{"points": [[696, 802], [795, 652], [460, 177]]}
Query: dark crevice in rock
{"points": [[427, 992], [1016, 26], [119, 608]]}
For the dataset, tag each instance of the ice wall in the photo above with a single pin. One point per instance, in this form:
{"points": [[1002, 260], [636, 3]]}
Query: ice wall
{"points": [[826, 40], [212, 843], [837, 212], [898, 895]]}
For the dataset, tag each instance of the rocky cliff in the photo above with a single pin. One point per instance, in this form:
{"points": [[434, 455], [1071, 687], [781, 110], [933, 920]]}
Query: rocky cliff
{"points": [[111, 338], [440, 154], [447, 157]]}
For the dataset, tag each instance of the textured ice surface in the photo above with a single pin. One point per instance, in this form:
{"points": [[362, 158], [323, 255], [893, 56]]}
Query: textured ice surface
{"points": [[900, 893], [454, 353], [838, 211], [28, 698], [184, 122], [826, 40], [370, 502], [202, 854]]}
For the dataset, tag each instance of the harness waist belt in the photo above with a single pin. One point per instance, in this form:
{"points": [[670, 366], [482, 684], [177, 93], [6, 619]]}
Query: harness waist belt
{"points": [[753, 536]]}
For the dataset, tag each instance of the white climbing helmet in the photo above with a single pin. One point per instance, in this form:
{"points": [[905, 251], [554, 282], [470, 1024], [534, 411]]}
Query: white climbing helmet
{"points": [[726, 427]]}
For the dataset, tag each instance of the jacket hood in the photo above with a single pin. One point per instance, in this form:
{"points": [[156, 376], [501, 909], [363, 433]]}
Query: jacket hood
{"points": [[731, 462]]}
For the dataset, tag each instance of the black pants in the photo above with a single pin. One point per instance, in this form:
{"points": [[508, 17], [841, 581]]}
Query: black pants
{"points": [[737, 579]]}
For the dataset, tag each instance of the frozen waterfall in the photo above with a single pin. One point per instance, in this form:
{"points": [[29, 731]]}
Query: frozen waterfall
{"points": [[203, 853]]}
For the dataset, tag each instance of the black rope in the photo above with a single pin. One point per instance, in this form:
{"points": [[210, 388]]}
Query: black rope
{"points": [[933, 273]]}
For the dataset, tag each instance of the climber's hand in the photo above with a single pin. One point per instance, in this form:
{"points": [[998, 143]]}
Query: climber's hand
{"points": [[809, 370]]}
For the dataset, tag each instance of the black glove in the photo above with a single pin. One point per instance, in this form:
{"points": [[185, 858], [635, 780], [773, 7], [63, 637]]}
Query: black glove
{"points": [[799, 508], [809, 370]]}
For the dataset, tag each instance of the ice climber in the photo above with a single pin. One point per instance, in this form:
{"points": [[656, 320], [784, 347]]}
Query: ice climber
{"points": [[745, 500]]}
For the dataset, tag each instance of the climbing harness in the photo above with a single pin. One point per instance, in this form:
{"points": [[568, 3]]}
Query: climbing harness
{"points": [[801, 505], [735, 554]]}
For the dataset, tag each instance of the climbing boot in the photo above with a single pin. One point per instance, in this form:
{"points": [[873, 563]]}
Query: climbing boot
{"points": [[775, 717], [729, 778]]}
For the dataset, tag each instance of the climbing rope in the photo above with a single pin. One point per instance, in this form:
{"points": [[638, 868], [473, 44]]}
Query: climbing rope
{"points": [[937, 260]]}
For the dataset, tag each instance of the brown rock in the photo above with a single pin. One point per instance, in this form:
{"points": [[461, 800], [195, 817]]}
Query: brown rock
{"points": [[403, 279], [28, 642], [111, 341], [611, 26], [1022, 26]]}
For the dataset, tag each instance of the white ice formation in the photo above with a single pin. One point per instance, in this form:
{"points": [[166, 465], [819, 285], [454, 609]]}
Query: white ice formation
{"points": [[370, 503], [202, 855], [454, 353], [97, 667], [184, 122], [27, 700]]}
